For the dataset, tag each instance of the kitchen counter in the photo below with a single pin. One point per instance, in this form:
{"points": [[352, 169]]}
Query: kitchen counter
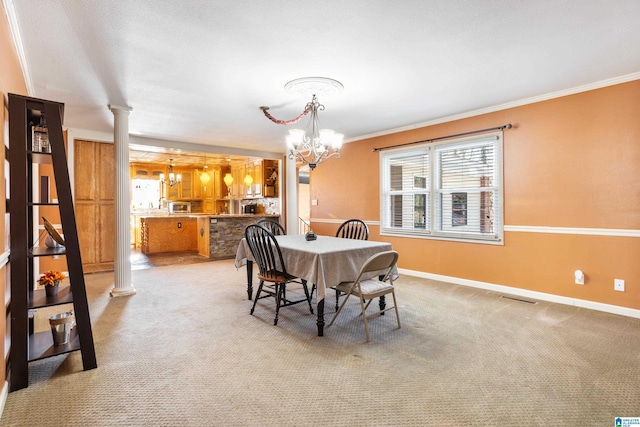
{"points": [[168, 234], [218, 235], [214, 236]]}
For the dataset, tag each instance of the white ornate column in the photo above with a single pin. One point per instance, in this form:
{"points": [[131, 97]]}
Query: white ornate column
{"points": [[122, 268]]}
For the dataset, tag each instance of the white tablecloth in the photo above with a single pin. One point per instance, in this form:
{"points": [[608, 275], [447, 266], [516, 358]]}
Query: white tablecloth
{"points": [[324, 262]]}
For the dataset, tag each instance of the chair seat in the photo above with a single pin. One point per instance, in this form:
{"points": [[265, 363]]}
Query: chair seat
{"points": [[369, 287], [275, 276]]}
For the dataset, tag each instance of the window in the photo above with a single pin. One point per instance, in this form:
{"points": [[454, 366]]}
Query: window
{"points": [[449, 190]]}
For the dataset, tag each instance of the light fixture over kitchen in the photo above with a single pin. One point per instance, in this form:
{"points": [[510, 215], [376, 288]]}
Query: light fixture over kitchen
{"points": [[173, 178], [228, 179], [248, 179], [312, 145], [204, 177]]}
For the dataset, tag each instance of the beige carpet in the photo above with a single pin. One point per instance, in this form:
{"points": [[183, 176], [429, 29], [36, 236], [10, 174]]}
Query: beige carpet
{"points": [[185, 352]]}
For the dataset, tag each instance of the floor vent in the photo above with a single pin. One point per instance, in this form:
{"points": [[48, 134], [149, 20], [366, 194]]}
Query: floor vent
{"points": [[518, 299]]}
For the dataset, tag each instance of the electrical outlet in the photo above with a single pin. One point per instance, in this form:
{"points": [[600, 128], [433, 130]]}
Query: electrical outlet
{"points": [[618, 285], [179, 225]]}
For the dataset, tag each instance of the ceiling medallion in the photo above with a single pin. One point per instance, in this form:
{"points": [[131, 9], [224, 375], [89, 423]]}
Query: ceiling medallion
{"points": [[309, 86]]}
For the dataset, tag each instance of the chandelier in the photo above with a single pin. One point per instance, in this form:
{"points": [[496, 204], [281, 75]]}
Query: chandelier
{"points": [[313, 145], [173, 178]]}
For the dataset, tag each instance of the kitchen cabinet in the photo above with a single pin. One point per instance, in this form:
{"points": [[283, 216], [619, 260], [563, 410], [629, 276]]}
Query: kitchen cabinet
{"points": [[270, 175], [95, 203], [168, 234], [257, 178], [28, 345], [182, 190]]}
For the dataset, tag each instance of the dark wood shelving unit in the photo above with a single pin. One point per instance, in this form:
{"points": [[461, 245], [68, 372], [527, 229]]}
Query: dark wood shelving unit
{"points": [[27, 346]]}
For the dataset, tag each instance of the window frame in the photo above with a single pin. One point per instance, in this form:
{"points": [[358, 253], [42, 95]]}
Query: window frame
{"points": [[435, 189]]}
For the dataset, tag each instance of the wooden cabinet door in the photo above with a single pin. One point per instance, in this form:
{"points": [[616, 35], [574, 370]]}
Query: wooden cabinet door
{"points": [[94, 166], [173, 191], [186, 186], [257, 178]]}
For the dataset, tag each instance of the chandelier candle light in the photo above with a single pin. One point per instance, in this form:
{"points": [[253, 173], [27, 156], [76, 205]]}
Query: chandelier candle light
{"points": [[312, 145]]}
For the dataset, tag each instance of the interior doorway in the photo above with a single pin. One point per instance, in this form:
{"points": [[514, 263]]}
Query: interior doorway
{"points": [[304, 199]]}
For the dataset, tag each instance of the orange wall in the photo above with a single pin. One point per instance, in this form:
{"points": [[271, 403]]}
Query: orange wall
{"points": [[11, 81], [568, 162]]}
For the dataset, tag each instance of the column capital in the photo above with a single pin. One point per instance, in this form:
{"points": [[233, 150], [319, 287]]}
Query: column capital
{"points": [[118, 108]]}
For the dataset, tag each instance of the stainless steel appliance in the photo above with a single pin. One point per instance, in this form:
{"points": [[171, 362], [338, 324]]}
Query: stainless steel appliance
{"points": [[179, 207], [250, 209]]}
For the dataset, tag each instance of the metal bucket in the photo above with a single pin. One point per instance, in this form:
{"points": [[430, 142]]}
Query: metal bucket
{"points": [[61, 325]]}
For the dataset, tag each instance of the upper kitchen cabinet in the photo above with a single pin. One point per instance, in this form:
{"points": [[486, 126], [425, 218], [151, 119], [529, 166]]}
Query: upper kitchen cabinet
{"points": [[270, 175], [145, 170], [257, 178], [182, 190]]}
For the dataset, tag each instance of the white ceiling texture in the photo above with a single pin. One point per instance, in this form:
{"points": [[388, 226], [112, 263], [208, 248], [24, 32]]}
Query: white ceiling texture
{"points": [[197, 71]]}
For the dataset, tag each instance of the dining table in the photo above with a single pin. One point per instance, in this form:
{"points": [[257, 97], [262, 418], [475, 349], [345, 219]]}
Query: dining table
{"points": [[323, 262]]}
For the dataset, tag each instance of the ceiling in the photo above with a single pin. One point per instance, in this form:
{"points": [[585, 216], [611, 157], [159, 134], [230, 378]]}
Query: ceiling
{"points": [[197, 71]]}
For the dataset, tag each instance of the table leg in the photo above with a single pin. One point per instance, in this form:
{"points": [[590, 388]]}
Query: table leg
{"points": [[249, 278], [382, 301], [320, 321], [382, 304]]}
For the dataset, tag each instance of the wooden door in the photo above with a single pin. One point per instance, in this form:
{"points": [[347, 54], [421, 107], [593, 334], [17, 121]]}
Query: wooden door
{"points": [[94, 166]]}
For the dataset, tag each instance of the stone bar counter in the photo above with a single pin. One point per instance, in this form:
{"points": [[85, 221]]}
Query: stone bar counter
{"points": [[219, 235]]}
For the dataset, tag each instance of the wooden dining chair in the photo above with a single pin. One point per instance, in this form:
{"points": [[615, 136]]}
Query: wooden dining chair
{"points": [[273, 226], [368, 289], [351, 229], [267, 254]]}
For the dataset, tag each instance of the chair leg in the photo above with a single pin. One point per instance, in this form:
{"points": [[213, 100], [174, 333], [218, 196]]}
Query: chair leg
{"points": [[255, 301], [339, 309], [306, 292], [364, 318], [395, 305], [279, 294]]}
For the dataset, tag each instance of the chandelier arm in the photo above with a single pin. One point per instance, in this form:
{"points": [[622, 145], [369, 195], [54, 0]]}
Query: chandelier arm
{"points": [[285, 122]]}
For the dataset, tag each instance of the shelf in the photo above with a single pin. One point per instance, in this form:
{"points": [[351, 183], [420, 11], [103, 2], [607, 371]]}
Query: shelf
{"points": [[39, 298], [24, 180], [43, 204], [39, 157], [41, 345], [47, 251]]}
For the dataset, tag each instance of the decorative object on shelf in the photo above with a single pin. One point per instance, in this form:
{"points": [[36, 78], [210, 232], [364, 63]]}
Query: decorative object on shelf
{"points": [[173, 177], [40, 137], [228, 180], [61, 325], [204, 177], [52, 232], [51, 281], [312, 145]]}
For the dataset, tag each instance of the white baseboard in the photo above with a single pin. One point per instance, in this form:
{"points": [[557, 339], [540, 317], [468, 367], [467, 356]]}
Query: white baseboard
{"points": [[3, 397], [608, 308]]}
